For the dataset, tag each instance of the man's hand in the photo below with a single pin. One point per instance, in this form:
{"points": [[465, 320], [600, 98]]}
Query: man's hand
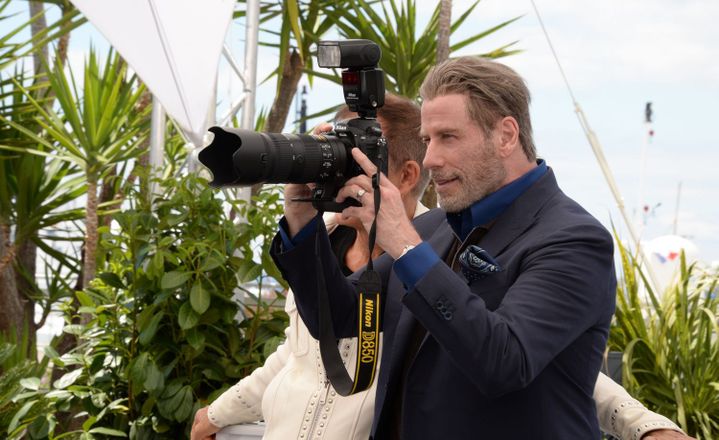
{"points": [[202, 428], [394, 229], [298, 214], [666, 434]]}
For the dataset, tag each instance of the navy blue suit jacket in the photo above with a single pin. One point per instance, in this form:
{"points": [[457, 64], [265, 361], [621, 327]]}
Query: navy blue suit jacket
{"points": [[514, 355]]}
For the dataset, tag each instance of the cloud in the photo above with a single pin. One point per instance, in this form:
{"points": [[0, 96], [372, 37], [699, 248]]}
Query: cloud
{"points": [[602, 42]]}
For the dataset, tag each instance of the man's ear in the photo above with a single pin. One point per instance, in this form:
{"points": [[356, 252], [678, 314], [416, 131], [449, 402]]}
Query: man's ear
{"points": [[408, 177], [507, 130]]}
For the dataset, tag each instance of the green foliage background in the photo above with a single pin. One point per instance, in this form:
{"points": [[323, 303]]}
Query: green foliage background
{"points": [[163, 336], [670, 344]]}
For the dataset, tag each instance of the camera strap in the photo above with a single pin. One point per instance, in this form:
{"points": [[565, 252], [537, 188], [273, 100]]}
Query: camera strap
{"points": [[368, 322]]}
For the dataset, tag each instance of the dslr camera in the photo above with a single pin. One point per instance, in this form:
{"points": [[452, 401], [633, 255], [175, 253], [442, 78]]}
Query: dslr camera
{"points": [[239, 157]]}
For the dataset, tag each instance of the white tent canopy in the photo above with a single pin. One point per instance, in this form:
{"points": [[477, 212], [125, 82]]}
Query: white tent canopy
{"points": [[173, 45]]}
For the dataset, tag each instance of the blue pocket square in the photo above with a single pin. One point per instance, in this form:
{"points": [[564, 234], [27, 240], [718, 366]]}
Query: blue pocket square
{"points": [[476, 263]]}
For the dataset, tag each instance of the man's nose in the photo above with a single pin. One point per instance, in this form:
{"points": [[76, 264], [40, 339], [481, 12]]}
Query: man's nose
{"points": [[432, 158]]}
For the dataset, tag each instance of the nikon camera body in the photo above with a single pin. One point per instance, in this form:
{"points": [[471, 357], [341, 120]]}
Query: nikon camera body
{"points": [[238, 157]]}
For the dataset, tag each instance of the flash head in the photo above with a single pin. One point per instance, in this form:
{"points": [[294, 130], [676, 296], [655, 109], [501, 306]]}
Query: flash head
{"points": [[348, 54]]}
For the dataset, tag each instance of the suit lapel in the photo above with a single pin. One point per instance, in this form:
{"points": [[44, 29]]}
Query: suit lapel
{"points": [[519, 216]]}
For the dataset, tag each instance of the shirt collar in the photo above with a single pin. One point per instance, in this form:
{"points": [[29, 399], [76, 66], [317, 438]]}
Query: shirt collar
{"points": [[489, 207]]}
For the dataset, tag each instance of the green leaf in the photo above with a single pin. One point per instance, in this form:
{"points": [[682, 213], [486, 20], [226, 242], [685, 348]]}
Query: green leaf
{"points": [[199, 298], [173, 279], [30, 383], [89, 422], [148, 332], [73, 329], [187, 318], [293, 15], [20, 414], [112, 280], [108, 431], [40, 427], [138, 370], [84, 299], [158, 262], [67, 379], [210, 263], [249, 271], [195, 338], [154, 380], [184, 406], [51, 353], [169, 400]]}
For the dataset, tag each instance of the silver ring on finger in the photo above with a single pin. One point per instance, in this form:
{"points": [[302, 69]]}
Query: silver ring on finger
{"points": [[360, 193]]}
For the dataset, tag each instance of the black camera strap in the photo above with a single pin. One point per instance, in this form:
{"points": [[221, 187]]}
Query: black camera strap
{"points": [[368, 325]]}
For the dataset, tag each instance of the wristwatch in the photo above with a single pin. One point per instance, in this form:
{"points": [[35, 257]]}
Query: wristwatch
{"points": [[405, 249]]}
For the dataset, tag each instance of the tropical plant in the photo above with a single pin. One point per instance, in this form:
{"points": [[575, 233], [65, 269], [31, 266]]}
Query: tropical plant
{"points": [[670, 345], [34, 189], [164, 336], [406, 55], [34, 196], [17, 367], [12, 49], [302, 25], [98, 128]]}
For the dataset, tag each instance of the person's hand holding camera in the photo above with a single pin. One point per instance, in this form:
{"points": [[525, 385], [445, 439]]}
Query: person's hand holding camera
{"points": [[394, 230], [298, 214]]}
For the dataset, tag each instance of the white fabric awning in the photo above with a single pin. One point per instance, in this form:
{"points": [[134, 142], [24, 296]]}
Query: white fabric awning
{"points": [[173, 45]]}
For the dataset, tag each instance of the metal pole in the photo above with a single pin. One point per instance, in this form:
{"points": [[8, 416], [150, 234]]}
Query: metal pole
{"points": [[252, 26], [604, 165], [599, 154], [157, 144], [303, 111], [676, 210], [642, 206], [250, 75], [643, 209]]}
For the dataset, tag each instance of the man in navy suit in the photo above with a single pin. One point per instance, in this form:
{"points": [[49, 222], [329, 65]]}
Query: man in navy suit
{"points": [[496, 307]]}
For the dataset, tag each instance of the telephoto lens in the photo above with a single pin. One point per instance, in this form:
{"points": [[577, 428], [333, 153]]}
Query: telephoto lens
{"points": [[238, 157]]}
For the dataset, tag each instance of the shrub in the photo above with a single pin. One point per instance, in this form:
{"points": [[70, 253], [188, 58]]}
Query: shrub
{"points": [[671, 346], [161, 335]]}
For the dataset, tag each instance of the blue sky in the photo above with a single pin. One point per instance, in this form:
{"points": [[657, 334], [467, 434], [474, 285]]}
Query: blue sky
{"points": [[617, 54]]}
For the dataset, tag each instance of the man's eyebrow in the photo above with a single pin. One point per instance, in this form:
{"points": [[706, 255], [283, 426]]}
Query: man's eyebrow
{"points": [[441, 130]]}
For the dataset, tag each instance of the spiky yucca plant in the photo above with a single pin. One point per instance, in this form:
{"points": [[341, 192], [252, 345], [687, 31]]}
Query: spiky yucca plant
{"points": [[671, 344]]}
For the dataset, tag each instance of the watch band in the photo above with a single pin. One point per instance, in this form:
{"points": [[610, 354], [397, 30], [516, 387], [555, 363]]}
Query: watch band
{"points": [[406, 249]]}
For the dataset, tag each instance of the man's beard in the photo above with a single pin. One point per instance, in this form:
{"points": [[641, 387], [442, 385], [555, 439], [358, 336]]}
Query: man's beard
{"points": [[475, 184]]}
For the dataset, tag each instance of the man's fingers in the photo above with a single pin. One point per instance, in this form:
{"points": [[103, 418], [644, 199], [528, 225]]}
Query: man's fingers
{"points": [[367, 166], [322, 128], [354, 191]]}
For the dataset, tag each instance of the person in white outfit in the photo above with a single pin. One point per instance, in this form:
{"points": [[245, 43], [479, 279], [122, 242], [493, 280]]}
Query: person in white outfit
{"points": [[291, 392]]}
